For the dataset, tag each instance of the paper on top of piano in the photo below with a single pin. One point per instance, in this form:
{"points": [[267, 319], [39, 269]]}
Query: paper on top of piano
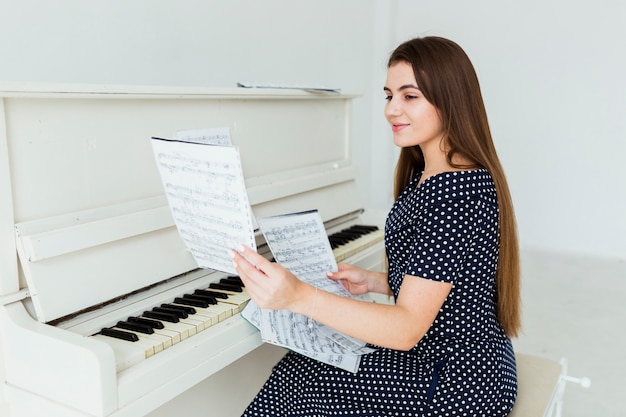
{"points": [[309, 88]]}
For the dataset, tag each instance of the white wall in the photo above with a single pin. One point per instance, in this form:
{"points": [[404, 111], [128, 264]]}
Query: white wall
{"points": [[552, 73]]}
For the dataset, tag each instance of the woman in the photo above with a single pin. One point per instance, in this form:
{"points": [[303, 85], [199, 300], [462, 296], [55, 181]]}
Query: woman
{"points": [[451, 245]]}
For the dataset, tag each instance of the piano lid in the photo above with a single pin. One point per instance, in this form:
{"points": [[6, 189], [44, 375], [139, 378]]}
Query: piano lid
{"points": [[84, 203]]}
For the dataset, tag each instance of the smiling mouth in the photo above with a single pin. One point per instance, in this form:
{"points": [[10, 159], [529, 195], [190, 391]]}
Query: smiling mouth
{"points": [[398, 127]]}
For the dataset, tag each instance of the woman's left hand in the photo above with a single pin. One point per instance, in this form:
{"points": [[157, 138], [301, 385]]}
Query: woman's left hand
{"points": [[269, 284]]}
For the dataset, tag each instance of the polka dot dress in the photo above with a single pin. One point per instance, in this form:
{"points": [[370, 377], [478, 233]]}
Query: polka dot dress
{"points": [[446, 230]]}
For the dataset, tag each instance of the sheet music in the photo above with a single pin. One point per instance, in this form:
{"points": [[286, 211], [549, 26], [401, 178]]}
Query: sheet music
{"points": [[206, 193], [210, 136], [309, 88], [299, 242]]}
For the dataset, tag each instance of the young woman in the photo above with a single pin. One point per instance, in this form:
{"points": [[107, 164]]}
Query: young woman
{"points": [[451, 244]]}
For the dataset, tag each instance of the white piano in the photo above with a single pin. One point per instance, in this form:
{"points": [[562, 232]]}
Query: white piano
{"points": [[87, 239]]}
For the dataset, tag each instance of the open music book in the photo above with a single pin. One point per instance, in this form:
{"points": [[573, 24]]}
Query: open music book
{"points": [[205, 188]]}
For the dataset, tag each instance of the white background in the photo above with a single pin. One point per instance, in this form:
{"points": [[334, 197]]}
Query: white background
{"points": [[552, 73], [553, 77]]}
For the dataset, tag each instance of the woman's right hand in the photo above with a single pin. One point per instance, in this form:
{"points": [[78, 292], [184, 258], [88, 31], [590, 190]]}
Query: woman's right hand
{"points": [[357, 280]]}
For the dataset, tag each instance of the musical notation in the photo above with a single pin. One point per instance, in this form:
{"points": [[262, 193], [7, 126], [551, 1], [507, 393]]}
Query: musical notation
{"points": [[299, 242], [211, 136], [206, 192]]}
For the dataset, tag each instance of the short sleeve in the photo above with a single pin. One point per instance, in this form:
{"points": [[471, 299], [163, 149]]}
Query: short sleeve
{"points": [[442, 240]]}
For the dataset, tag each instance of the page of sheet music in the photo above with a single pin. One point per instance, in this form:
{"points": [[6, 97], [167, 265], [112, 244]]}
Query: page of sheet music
{"points": [[299, 242], [209, 135], [205, 188]]}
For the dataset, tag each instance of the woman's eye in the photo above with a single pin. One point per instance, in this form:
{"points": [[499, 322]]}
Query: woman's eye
{"points": [[409, 97], [388, 98]]}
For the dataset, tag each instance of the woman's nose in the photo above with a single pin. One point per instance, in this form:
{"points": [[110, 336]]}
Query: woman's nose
{"points": [[391, 108]]}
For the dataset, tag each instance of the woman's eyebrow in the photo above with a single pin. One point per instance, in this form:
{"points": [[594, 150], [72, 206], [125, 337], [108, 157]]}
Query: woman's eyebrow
{"points": [[402, 87]]}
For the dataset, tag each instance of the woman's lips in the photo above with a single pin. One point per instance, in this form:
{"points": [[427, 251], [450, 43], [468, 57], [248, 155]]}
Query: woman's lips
{"points": [[396, 127]]}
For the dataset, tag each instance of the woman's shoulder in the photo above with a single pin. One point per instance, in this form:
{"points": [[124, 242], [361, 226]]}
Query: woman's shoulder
{"points": [[454, 185]]}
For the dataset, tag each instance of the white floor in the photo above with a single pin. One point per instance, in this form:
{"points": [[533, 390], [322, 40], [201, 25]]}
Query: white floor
{"points": [[575, 308]]}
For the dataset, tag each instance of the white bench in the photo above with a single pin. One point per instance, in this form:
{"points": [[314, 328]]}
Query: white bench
{"points": [[541, 383]]}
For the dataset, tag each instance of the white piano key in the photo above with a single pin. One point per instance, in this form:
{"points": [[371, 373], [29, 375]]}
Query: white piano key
{"points": [[147, 346], [237, 298], [165, 341], [181, 328], [222, 311], [208, 316], [172, 335], [157, 345], [195, 325], [351, 248]]}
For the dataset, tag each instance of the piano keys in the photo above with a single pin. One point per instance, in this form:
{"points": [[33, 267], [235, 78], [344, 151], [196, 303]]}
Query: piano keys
{"points": [[151, 332], [163, 326], [352, 240]]}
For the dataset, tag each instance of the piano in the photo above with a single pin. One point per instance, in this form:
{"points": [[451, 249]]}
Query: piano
{"points": [[88, 244]]}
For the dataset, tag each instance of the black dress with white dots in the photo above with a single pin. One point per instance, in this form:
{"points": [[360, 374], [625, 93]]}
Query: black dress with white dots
{"points": [[445, 229]]}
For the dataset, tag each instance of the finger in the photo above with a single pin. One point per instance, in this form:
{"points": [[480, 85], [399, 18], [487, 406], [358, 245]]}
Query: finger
{"points": [[343, 267], [243, 263], [333, 275], [343, 272], [253, 257], [250, 275]]}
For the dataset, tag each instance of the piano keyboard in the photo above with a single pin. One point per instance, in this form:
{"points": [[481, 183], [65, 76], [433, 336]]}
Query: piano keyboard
{"points": [[143, 336], [354, 239], [140, 337]]}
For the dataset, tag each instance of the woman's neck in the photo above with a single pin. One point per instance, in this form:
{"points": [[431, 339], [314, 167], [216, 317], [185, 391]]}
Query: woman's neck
{"points": [[437, 163]]}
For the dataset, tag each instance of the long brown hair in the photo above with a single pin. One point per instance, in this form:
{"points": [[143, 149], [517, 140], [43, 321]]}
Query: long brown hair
{"points": [[447, 78]]}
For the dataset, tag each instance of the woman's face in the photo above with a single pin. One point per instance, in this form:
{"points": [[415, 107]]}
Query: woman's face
{"points": [[413, 120]]}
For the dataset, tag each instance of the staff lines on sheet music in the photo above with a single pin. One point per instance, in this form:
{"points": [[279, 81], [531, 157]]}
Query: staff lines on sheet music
{"points": [[218, 239], [232, 225], [302, 254], [291, 232], [189, 197], [178, 162], [214, 139], [299, 242]]}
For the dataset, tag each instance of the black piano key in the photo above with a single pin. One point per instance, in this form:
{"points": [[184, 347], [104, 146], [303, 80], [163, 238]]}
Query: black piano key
{"points": [[169, 317], [235, 280], [186, 309], [214, 294], [202, 297], [136, 327], [120, 334], [225, 287], [338, 240], [348, 235], [191, 302], [365, 228], [155, 324], [179, 313]]}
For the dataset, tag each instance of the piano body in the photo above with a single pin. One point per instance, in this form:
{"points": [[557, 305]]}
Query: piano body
{"points": [[87, 239]]}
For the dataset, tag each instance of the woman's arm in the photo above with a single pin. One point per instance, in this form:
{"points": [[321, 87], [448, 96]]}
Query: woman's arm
{"points": [[398, 326]]}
